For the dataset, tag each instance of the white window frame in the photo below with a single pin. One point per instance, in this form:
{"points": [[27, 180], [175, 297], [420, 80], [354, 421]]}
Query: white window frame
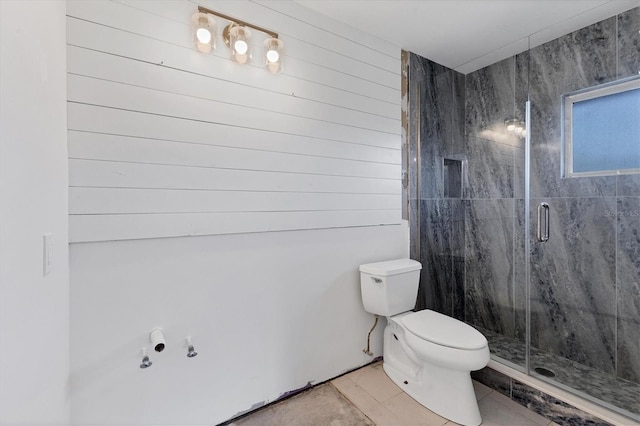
{"points": [[568, 100]]}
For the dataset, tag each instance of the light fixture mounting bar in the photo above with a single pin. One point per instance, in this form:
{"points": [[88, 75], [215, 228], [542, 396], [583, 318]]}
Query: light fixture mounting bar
{"points": [[237, 21]]}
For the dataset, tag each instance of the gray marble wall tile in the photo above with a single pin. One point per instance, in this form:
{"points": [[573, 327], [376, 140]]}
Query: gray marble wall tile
{"points": [[431, 173], [435, 291], [437, 105], [629, 43], [628, 185], [628, 281], [414, 230], [489, 265], [458, 285], [442, 240], [521, 97], [489, 98], [457, 144], [582, 59], [520, 294], [573, 292], [490, 169], [441, 226]]}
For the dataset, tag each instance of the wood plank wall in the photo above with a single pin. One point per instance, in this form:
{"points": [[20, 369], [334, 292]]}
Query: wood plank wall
{"points": [[165, 141]]}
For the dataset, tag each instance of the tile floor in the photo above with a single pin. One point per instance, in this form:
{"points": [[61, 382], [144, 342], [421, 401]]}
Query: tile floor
{"points": [[367, 396]]}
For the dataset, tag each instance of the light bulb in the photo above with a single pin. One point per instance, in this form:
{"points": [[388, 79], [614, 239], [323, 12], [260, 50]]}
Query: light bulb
{"points": [[273, 56], [241, 47], [204, 35], [511, 127]]}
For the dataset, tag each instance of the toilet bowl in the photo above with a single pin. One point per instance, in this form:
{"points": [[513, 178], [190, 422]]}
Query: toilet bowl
{"points": [[435, 375], [427, 354]]}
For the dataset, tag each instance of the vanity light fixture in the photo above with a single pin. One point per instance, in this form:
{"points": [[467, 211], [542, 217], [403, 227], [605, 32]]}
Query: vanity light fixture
{"points": [[515, 127], [236, 37]]}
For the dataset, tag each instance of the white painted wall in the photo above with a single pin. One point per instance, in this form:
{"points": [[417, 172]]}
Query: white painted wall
{"points": [[268, 312], [164, 141], [34, 309]]}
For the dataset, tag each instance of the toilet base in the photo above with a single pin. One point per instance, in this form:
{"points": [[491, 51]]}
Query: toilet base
{"points": [[448, 393], [445, 391]]}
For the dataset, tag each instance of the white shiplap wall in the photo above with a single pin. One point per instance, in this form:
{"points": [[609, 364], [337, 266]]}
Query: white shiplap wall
{"points": [[165, 141]]}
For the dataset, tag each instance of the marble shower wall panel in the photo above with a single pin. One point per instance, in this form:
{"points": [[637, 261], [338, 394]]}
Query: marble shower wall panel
{"points": [[489, 265], [578, 60], [628, 282], [456, 147], [490, 171], [521, 96], [519, 273], [489, 100], [628, 185], [414, 235], [573, 292], [437, 127], [442, 247], [629, 43], [441, 225]]}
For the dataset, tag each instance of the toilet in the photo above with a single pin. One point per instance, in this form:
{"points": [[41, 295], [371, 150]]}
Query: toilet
{"points": [[427, 354]]}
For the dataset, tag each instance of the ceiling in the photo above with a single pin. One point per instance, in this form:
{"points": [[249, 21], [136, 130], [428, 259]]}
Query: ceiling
{"points": [[467, 35]]}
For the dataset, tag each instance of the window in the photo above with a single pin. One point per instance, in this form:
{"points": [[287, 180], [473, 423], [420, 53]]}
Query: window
{"points": [[601, 130]]}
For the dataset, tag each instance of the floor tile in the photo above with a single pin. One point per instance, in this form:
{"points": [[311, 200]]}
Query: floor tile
{"points": [[354, 393], [411, 412], [481, 390], [382, 416], [514, 406], [496, 414], [360, 371], [377, 384]]}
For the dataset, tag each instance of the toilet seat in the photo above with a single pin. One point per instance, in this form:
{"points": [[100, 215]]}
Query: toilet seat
{"points": [[443, 330]]}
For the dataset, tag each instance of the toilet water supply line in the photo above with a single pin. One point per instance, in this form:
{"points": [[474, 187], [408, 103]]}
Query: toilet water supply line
{"points": [[367, 349]]}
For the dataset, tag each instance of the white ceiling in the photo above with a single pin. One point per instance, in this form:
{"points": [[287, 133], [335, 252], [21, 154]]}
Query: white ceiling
{"points": [[468, 34]]}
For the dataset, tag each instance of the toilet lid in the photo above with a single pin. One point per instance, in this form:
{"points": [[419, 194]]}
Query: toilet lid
{"points": [[444, 330]]}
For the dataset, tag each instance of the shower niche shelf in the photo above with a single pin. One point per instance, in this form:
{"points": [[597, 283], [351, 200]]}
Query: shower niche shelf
{"points": [[452, 178]]}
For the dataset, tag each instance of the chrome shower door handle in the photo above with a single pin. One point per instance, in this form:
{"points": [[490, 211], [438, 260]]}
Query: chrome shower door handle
{"points": [[543, 237]]}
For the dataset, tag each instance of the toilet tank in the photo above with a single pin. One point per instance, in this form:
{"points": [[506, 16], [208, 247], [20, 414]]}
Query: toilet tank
{"points": [[391, 287]]}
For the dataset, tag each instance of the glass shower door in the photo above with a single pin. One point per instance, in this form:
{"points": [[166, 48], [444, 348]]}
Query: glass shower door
{"points": [[583, 233]]}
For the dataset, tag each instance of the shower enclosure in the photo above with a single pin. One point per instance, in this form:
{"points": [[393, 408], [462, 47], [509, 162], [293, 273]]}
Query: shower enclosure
{"points": [[514, 238]]}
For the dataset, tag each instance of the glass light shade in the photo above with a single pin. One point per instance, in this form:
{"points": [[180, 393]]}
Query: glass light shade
{"points": [[273, 55], [204, 32], [239, 44], [511, 125]]}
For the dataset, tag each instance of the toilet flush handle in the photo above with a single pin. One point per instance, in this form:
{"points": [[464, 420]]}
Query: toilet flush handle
{"points": [[376, 280]]}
